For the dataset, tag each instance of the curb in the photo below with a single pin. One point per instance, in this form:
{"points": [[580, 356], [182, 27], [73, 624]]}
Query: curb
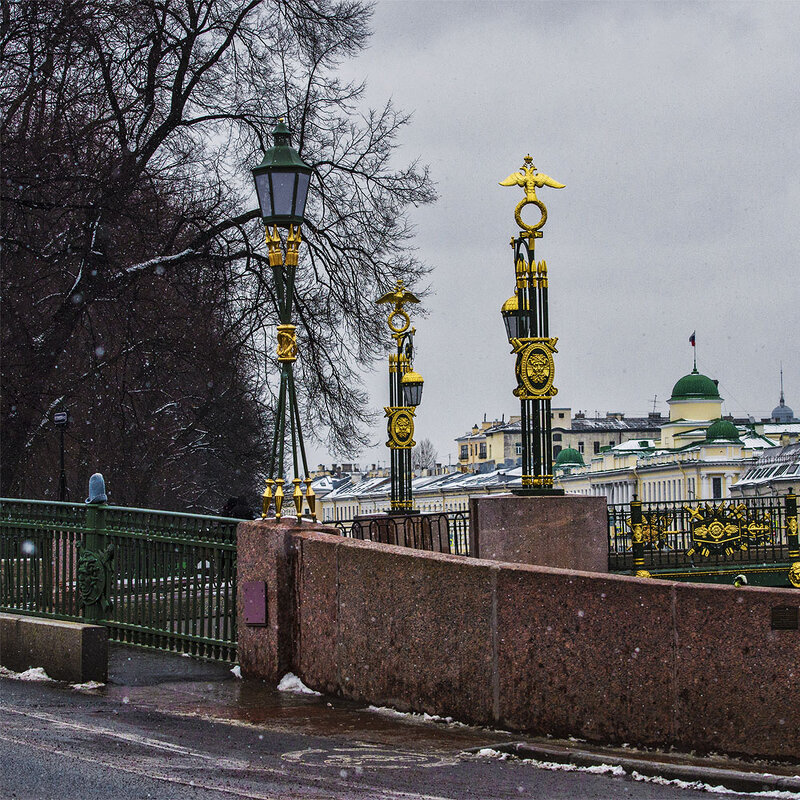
{"points": [[733, 779]]}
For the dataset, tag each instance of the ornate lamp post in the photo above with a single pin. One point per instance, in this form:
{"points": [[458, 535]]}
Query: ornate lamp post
{"points": [[405, 394], [526, 318], [282, 181]]}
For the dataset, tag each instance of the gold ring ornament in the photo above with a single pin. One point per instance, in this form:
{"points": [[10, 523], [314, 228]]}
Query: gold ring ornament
{"points": [[530, 179], [399, 321]]}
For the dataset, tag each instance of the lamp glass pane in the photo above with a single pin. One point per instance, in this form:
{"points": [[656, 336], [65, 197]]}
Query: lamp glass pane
{"points": [[511, 320], [302, 194], [262, 190], [412, 394], [282, 193]]}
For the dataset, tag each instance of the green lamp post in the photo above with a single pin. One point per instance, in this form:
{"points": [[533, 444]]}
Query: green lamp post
{"points": [[527, 322], [282, 180]]}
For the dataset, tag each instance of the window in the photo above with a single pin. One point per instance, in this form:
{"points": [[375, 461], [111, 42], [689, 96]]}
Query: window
{"points": [[716, 488], [596, 447], [611, 443], [482, 451], [556, 437], [519, 448], [561, 415], [464, 452], [581, 447], [556, 449]]}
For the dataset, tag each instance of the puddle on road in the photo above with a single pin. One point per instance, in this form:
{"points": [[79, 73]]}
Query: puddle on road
{"points": [[256, 703]]}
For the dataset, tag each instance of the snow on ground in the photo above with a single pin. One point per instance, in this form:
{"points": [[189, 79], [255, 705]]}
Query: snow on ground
{"points": [[32, 674], [87, 687], [291, 683], [410, 715], [618, 771]]}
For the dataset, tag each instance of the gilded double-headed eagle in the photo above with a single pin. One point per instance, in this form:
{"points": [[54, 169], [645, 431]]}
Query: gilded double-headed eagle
{"points": [[399, 296], [530, 179]]}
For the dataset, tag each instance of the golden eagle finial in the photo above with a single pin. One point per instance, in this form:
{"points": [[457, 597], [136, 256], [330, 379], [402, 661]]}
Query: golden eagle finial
{"points": [[398, 318], [530, 179], [399, 296]]}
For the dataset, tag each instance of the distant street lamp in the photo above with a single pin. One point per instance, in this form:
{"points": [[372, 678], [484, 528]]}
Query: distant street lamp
{"points": [[282, 180], [527, 323], [405, 394], [61, 420]]}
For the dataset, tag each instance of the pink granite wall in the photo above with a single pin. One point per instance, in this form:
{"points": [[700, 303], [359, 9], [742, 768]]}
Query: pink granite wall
{"points": [[568, 532], [601, 657], [264, 554]]}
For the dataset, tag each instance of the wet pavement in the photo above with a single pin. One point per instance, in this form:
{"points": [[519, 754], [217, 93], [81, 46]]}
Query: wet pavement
{"points": [[175, 728], [159, 681]]}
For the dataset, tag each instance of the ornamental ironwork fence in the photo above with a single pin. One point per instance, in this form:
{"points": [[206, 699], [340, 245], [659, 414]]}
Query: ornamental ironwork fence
{"points": [[153, 578], [436, 532], [707, 533]]}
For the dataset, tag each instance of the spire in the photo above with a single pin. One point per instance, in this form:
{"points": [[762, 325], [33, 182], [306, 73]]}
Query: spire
{"points": [[782, 402]]}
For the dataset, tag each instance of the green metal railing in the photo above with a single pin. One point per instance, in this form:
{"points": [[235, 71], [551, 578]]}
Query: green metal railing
{"points": [[154, 578]]}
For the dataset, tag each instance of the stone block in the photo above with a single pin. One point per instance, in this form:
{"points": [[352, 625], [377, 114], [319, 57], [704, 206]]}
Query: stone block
{"points": [[316, 621], [736, 677], [415, 630], [584, 655], [264, 553], [566, 532], [67, 651]]}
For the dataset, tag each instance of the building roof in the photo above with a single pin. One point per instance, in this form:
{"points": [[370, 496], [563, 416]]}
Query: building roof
{"points": [[695, 386], [568, 456], [722, 429]]}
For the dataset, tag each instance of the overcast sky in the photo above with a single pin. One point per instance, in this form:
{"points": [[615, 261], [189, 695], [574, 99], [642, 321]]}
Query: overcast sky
{"points": [[675, 129]]}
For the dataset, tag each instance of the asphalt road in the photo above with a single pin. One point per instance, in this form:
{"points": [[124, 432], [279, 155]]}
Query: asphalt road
{"points": [[57, 743]]}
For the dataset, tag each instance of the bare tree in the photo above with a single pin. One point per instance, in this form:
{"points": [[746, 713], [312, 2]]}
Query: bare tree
{"points": [[424, 455], [134, 277]]}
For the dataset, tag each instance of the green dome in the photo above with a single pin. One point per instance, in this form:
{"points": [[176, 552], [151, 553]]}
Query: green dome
{"points": [[569, 456], [695, 386], [722, 429]]}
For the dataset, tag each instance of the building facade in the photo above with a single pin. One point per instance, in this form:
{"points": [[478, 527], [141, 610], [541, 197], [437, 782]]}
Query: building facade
{"points": [[696, 455]]}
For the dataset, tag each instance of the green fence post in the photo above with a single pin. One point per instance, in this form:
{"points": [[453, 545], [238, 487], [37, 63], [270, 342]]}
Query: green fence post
{"points": [[95, 559], [790, 509], [637, 535]]}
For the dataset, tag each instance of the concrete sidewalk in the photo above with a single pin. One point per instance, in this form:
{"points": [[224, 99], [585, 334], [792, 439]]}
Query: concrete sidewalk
{"points": [[184, 686]]}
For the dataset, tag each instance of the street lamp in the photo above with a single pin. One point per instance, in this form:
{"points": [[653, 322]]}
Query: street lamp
{"points": [[405, 394], [526, 318], [61, 420], [282, 181]]}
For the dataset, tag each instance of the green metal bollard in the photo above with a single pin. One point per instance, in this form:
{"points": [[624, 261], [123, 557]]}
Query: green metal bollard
{"points": [[95, 562], [637, 534]]}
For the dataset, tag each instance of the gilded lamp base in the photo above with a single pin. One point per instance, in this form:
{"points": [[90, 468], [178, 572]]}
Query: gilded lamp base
{"points": [[536, 491]]}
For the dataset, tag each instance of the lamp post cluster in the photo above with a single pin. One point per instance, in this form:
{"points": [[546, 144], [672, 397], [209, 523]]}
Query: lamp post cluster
{"points": [[282, 180], [405, 394], [527, 322]]}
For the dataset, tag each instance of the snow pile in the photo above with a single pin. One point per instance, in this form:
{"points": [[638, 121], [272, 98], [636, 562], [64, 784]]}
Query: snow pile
{"points": [[237, 671], [698, 786], [554, 766], [410, 715], [291, 683], [87, 687], [32, 674]]}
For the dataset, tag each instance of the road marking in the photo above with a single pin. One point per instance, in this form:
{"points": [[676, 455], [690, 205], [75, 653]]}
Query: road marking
{"points": [[365, 756], [109, 760]]}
